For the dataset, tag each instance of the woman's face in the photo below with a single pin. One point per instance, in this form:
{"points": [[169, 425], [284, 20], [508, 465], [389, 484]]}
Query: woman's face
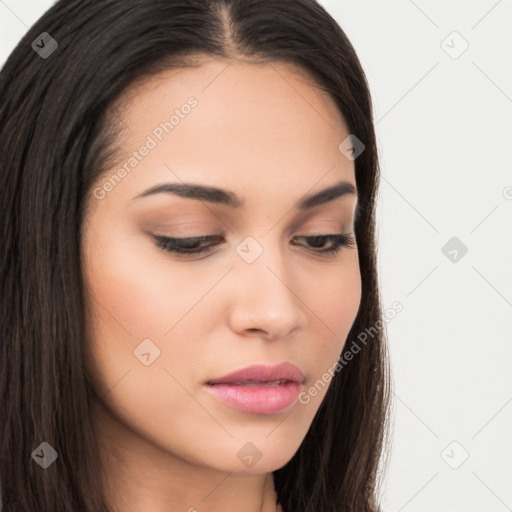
{"points": [[162, 324]]}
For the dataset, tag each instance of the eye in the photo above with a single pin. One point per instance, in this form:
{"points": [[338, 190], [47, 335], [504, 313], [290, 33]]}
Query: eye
{"points": [[186, 246], [203, 244], [337, 241]]}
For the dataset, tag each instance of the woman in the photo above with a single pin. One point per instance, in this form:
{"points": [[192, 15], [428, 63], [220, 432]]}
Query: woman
{"points": [[189, 262]]}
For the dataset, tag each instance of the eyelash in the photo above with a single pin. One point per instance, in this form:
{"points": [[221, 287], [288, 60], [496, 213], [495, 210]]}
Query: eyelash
{"points": [[179, 245]]}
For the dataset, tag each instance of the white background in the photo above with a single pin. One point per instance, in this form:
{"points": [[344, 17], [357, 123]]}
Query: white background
{"points": [[444, 128]]}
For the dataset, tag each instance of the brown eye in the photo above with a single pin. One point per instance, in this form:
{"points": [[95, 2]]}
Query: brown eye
{"points": [[337, 241], [186, 246], [203, 244]]}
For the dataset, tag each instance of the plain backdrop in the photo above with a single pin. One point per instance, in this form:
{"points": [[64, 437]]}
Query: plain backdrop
{"points": [[441, 81]]}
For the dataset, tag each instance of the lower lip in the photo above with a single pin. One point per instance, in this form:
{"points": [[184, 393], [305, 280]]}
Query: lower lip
{"points": [[257, 399]]}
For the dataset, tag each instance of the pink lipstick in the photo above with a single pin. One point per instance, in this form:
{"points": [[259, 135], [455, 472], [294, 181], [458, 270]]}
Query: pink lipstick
{"points": [[259, 389]]}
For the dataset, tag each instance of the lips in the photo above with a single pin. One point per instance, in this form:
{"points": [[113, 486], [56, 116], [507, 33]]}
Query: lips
{"points": [[260, 399], [259, 389], [258, 375]]}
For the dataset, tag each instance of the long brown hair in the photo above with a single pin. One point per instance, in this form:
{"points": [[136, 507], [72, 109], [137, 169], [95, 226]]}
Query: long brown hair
{"points": [[56, 134]]}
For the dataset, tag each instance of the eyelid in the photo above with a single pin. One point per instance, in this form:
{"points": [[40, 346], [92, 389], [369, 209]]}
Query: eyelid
{"points": [[178, 246]]}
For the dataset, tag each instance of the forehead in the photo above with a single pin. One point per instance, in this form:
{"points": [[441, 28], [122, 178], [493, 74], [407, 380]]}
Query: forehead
{"points": [[279, 86], [252, 125]]}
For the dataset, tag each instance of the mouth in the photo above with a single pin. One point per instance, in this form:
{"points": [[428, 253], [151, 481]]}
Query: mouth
{"points": [[257, 383], [259, 389], [269, 397], [262, 373]]}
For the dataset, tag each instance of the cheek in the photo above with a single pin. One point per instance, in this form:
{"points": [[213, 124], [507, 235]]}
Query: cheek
{"points": [[139, 303], [338, 294], [136, 291], [131, 297], [334, 300]]}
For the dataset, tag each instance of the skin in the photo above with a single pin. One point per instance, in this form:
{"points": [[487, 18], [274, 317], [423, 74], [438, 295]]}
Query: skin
{"points": [[267, 134]]}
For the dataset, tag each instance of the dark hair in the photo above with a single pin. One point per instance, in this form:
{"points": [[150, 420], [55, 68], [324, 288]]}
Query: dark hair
{"points": [[56, 135]]}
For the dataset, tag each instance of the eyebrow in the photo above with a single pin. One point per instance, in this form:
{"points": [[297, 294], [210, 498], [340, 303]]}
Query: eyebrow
{"points": [[228, 198]]}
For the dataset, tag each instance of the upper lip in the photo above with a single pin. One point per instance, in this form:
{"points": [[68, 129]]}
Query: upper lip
{"points": [[263, 373]]}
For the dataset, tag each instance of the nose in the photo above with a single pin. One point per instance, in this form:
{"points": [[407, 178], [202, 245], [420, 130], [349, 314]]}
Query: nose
{"points": [[267, 300]]}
